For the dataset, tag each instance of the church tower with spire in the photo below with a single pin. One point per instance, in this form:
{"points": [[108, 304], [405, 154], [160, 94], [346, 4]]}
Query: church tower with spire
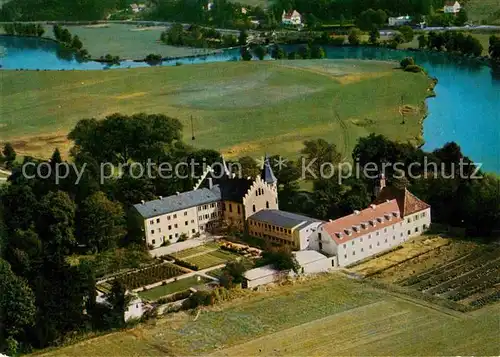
{"points": [[267, 174]]}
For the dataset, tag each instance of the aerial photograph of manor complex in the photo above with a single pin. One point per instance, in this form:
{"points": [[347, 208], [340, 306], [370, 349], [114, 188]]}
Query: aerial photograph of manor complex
{"points": [[249, 178]]}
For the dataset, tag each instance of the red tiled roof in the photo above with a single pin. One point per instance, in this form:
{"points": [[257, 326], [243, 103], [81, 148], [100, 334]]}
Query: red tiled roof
{"points": [[387, 212], [289, 14], [407, 202]]}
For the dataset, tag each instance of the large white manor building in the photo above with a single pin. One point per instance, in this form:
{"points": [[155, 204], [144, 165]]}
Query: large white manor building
{"points": [[251, 205]]}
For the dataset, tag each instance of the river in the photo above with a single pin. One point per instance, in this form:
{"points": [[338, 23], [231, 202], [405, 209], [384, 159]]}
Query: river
{"points": [[466, 109]]}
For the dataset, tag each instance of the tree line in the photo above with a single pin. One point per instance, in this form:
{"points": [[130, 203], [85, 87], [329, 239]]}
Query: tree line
{"points": [[52, 10], [451, 41], [196, 36], [20, 29], [68, 41]]}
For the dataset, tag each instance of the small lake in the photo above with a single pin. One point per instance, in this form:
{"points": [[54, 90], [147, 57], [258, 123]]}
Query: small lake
{"points": [[466, 109]]}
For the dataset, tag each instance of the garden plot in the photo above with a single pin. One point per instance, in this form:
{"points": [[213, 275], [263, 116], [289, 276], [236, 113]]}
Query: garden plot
{"points": [[147, 276]]}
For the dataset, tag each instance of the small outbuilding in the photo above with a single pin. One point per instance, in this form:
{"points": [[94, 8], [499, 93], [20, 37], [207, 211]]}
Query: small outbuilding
{"points": [[262, 276]]}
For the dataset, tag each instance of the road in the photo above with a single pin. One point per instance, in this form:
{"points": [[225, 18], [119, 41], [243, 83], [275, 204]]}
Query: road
{"points": [[451, 28]]}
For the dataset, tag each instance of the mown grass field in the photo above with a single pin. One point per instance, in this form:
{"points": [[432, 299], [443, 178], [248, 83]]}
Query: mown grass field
{"points": [[205, 248], [239, 108], [484, 10], [170, 288], [330, 315], [212, 259], [482, 37]]}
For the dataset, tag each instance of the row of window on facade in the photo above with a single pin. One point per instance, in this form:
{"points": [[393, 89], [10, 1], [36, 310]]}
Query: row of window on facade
{"points": [[269, 227], [416, 217], [272, 239], [176, 235], [205, 207], [170, 227], [212, 215]]}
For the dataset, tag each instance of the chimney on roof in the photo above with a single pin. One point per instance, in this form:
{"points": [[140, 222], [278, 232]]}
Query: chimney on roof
{"points": [[210, 183], [380, 185], [160, 197], [143, 202], [372, 206], [356, 212], [177, 193]]}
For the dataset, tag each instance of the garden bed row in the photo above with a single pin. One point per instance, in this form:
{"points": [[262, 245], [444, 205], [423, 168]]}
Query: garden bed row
{"points": [[150, 275]]}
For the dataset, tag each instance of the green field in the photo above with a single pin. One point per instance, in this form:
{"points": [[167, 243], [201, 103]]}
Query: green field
{"points": [[484, 10], [330, 315], [483, 38], [212, 259], [164, 290], [239, 108], [196, 250], [125, 41]]}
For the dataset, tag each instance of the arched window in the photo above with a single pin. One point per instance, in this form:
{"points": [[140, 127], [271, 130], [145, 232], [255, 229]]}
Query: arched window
{"points": [[267, 204], [253, 208]]}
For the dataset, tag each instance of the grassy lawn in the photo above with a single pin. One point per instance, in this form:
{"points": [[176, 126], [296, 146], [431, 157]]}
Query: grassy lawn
{"points": [[487, 10], [179, 285], [196, 250], [212, 259], [239, 108], [330, 315]]}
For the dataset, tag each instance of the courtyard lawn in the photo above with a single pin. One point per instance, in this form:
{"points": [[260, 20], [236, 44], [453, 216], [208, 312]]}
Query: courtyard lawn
{"points": [[237, 107], [196, 250], [170, 288], [330, 315], [212, 259]]}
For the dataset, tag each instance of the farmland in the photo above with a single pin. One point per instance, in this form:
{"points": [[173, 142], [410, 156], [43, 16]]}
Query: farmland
{"points": [[462, 272], [239, 108], [328, 315]]}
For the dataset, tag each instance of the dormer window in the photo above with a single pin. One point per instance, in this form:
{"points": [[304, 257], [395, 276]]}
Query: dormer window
{"points": [[348, 232], [388, 217], [380, 219], [339, 235], [372, 222]]}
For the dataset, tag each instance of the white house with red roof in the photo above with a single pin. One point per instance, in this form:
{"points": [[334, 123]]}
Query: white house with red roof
{"points": [[394, 217], [291, 18], [452, 7]]}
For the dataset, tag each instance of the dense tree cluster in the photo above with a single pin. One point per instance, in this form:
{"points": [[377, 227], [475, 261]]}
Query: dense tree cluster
{"points": [[494, 48], [21, 29], [73, 43], [451, 41], [196, 36], [43, 222], [35, 10]]}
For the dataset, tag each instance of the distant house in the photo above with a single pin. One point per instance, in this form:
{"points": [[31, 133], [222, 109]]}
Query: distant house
{"points": [[400, 20], [210, 5], [137, 8], [291, 18], [135, 309], [243, 10], [451, 7]]}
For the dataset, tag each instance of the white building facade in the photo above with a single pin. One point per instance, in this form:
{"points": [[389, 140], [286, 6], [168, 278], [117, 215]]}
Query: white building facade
{"points": [[291, 18], [451, 7]]}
